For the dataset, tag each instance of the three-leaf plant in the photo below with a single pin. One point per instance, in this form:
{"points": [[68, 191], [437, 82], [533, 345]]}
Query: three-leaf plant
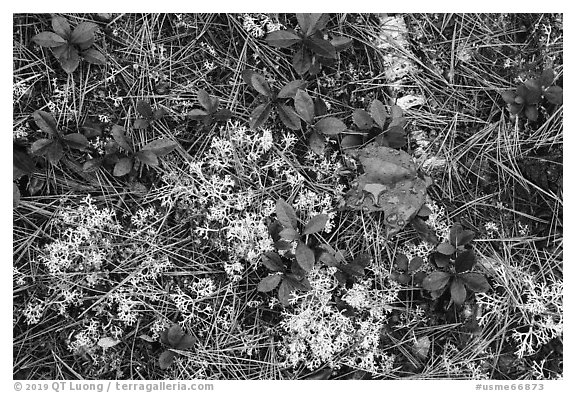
{"points": [[272, 98], [52, 148], [148, 114], [211, 113], [459, 261], [528, 95], [69, 45], [407, 271], [312, 47], [174, 338]]}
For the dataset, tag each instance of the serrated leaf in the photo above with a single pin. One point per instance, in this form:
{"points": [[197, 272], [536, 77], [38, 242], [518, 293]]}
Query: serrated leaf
{"points": [[94, 56], [260, 84], [304, 106], [40, 146], [289, 234], [48, 39], [123, 167], [401, 261], [289, 90], [317, 143], [76, 141], [554, 94], [435, 281], [83, 33], [341, 43], [476, 282], [161, 146], [46, 122], [283, 38], [458, 291], [289, 117], [301, 61], [330, 126], [273, 261], [286, 214], [304, 256], [119, 135], [260, 115], [166, 359], [321, 47], [61, 26], [362, 119], [316, 224], [465, 261], [446, 248], [415, 264], [147, 157], [268, 283], [108, 342], [378, 113]]}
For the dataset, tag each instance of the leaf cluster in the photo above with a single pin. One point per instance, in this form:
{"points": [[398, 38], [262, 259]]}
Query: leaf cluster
{"points": [[312, 48], [210, 114], [407, 270], [68, 44], [174, 338]]}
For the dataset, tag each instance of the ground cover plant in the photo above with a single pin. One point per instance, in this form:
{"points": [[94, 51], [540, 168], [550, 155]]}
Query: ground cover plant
{"points": [[287, 196]]}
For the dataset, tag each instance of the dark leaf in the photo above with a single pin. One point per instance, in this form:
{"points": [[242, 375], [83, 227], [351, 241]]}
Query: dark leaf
{"points": [[320, 108], [554, 95], [273, 261], [289, 117], [317, 143], [76, 141], [185, 343], [547, 77], [286, 214], [301, 284], [15, 195], [341, 43], [508, 96], [328, 259], [283, 38], [54, 152], [119, 135], [458, 291], [362, 260], [476, 282], [341, 277], [418, 277], [304, 106], [441, 260], [446, 248], [144, 109], [323, 374], [330, 126], [304, 256], [260, 115], [40, 146], [160, 147], [284, 291], [48, 39], [289, 234], [378, 113], [290, 89], [282, 245], [92, 165], [174, 335], [435, 281], [205, 100], [91, 130], [401, 278], [61, 26], [260, 85], [424, 211], [123, 167], [83, 33], [535, 86], [362, 119], [401, 262], [459, 236], [312, 22], [159, 113], [321, 47], [465, 261], [45, 121], [247, 77], [140, 124], [424, 231], [301, 61], [268, 283], [515, 108], [316, 224], [166, 359], [223, 114], [415, 264], [94, 56], [352, 269], [61, 51], [531, 112], [147, 157], [70, 60], [314, 65], [396, 137], [351, 141], [22, 161]]}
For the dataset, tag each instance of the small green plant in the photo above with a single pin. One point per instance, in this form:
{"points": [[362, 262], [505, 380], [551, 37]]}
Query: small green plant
{"points": [[287, 280], [313, 48], [148, 114], [52, 148], [347, 272], [211, 113], [69, 45], [407, 271], [526, 99], [457, 259], [272, 98], [174, 338]]}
